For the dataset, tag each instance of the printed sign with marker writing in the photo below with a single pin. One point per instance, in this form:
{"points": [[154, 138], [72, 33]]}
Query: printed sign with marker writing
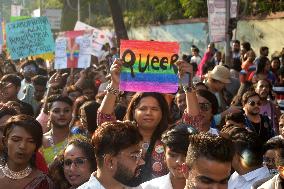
{"points": [[149, 66], [29, 37]]}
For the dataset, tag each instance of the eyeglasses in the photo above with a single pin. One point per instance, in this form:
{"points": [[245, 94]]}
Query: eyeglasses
{"points": [[268, 160], [78, 162], [137, 156], [253, 103], [204, 106]]}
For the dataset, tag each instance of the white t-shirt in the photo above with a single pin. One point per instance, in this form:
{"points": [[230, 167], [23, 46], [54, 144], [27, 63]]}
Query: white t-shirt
{"points": [[247, 180], [163, 182], [93, 183], [196, 59]]}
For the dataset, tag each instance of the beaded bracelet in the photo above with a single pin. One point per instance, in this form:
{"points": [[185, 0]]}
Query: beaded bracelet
{"points": [[112, 90]]}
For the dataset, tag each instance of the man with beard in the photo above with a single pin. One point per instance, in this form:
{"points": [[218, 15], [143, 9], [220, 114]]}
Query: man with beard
{"points": [[256, 122], [236, 50], [208, 162], [60, 115], [118, 154], [268, 108]]}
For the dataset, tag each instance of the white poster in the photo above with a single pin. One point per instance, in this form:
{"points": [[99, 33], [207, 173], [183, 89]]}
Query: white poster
{"points": [[217, 20], [100, 37], [61, 45]]}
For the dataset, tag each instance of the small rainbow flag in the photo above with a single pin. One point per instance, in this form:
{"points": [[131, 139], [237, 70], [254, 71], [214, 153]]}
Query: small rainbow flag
{"points": [[149, 66]]}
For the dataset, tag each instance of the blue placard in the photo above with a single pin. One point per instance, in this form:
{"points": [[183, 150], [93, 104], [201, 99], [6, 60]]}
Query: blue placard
{"points": [[29, 37]]}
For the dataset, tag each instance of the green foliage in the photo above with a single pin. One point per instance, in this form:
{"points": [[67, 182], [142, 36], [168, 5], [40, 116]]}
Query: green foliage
{"points": [[53, 4], [194, 8]]}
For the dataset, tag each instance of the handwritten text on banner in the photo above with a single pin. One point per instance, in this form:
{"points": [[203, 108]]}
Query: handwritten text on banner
{"points": [[149, 66]]}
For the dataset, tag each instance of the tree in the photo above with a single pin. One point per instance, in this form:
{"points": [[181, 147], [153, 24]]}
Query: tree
{"points": [[117, 17]]}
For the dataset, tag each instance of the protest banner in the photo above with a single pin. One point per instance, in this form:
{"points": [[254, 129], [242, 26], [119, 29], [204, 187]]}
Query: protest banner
{"points": [[100, 37], [217, 20], [149, 66], [73, 49], [29, 37]]}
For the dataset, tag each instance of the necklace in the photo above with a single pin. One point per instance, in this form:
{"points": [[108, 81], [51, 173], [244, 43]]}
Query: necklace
{"points": [[16, 175], [55, 149]]}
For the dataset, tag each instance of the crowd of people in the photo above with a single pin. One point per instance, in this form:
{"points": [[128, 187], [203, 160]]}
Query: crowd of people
{"points": [[74, 128]]}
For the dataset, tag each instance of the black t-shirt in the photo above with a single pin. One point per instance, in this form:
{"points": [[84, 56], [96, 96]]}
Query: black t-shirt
{"points": [[263, 128]]}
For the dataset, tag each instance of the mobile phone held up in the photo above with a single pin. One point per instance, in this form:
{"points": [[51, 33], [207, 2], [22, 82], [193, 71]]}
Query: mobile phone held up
{"points": [[184, 81]]}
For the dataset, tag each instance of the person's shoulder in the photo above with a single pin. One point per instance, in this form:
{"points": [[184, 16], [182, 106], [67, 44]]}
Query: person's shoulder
{"points": [[156, 183], [269, 184], [91, 183]]}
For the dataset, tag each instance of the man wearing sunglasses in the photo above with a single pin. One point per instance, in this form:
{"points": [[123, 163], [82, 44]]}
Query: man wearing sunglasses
{"points": [[118, 154], [208, 162], [255, 121]]}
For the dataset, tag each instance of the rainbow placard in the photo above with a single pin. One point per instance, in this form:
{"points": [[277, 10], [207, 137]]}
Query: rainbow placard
{"points": [[149, 66]]}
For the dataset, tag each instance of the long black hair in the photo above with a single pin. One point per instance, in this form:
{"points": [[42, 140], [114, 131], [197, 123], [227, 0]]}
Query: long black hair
{"points": [[162, 126]]}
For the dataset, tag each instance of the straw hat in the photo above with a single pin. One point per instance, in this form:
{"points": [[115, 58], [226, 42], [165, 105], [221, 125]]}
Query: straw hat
{"points": [[220, 73]]}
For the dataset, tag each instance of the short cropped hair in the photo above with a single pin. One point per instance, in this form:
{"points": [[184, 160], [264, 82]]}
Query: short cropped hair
{"points": [[236, 117], [273, 144], [262, 49], [211, 147], [246, 46], [177, 139], [248, 95], [40, 80], [249, 146], [113, 137], [236, 41], [58, 98], [29, 62], [12, 78]]}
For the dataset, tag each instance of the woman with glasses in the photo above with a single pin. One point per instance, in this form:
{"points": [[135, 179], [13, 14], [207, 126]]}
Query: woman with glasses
{"points": [[74, 165], [22, 137]]}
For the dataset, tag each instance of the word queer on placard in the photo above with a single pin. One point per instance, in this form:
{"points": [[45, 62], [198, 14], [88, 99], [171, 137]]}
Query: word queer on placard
{"points": [[29, 37], [149, 66]]}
